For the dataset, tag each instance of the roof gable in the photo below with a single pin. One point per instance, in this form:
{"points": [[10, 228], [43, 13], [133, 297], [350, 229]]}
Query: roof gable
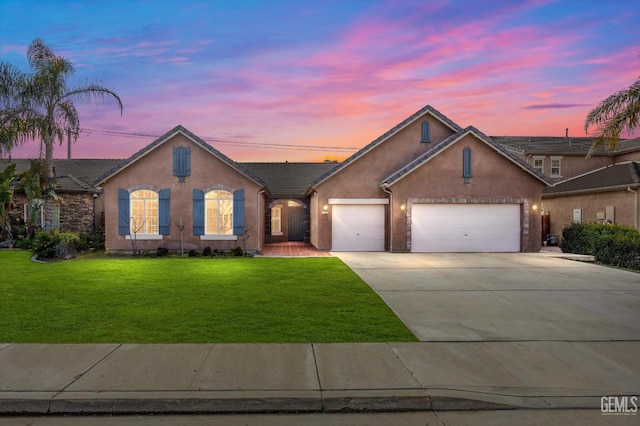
{"points": [[166, 137], [440, 147], [610, 178], [428, 109]]}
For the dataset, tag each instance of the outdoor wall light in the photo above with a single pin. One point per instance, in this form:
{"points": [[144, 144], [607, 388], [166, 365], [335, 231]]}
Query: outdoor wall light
{"points": [[403, 207], [534, 207], [325, 209]]}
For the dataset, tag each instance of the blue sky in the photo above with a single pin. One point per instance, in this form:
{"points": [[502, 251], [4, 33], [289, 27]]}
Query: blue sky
{"points": [[270, 80]]}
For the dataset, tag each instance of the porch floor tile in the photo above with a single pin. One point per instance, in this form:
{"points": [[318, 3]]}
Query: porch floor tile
{"points": [[292, 249]]}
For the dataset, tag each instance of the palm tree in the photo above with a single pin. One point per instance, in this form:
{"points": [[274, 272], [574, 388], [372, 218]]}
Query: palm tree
{"points": [[12, 126], [615, 114], [47, 106]]}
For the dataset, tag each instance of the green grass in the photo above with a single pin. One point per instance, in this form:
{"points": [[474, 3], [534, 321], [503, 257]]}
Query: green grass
{"points": [[189, 300]]}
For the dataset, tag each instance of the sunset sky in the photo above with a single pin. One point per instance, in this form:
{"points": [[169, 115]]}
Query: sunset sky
{"points": [[270, 80]]}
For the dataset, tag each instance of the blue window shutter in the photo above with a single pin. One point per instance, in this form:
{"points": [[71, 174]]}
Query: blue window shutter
{"points": [[123, 212], [175, 161], [466, 164], [425, 132], [187, 159], [198, 212], [181, 162], [164, 220], [238, 212]]}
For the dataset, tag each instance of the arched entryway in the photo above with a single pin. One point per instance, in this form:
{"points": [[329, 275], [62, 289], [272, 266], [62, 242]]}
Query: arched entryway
{"points": [[287, 220]]}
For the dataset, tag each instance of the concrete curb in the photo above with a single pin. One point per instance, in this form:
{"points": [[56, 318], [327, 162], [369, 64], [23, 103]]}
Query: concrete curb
{"points": [[223, 402]]}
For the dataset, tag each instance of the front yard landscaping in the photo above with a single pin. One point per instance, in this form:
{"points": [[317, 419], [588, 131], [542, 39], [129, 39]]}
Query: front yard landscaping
{"points": [[98, 299]]}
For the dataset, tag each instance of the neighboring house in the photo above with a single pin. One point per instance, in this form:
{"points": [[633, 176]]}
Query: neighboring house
{"points": [[606, 195], [78, 208], [561, 158]]}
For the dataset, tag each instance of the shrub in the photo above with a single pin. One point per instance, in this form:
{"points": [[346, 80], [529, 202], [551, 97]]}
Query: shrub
{"points": [[91, 241], [237, 251], [47, 244], [614, 245], [206, 251], [162, 251], [193, 253]]}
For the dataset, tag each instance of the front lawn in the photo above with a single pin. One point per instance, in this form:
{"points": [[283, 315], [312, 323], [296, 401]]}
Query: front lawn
{"points": [[189, 300]]}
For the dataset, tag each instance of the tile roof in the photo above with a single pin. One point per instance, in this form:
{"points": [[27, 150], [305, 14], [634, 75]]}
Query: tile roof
{"points": [[428, 109], [611, 178], [417, 162], [562, 146], [288, 179], [72, 175]]}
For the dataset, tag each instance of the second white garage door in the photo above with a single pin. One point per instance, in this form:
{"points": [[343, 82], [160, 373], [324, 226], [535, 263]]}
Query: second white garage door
{"points": [[465, 228], [357, 227]]}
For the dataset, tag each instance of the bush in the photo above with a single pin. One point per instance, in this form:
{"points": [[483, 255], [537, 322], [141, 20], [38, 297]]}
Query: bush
{"points": [[237, 251], [206, 251], [91, 241], [162, 251], [614, 245], [47, 244]]}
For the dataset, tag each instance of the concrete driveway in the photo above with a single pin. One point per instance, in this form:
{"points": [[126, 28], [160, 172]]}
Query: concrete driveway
{"points": [[503, 296]]}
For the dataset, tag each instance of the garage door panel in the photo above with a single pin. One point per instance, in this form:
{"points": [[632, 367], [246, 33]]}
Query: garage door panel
{"points": [[357, 228], [465, 228]]}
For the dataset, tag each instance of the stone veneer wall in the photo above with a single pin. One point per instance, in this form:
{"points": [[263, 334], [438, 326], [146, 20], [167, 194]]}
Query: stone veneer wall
{"points": [[76, 211]]}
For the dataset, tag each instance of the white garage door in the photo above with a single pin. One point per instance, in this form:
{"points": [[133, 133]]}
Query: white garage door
{"points": [[357, 227], [465, 227]]}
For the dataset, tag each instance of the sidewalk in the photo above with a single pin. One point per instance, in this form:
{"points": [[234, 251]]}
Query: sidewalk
{"points": [[245, 378]]}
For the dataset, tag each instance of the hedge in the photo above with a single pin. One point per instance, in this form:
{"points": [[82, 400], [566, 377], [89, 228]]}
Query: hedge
{"points": [[614, 245]]}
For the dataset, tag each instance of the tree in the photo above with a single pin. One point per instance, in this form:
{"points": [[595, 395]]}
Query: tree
{"points": [[615, 114], [6, 196], [12, 107], [45, 106]]}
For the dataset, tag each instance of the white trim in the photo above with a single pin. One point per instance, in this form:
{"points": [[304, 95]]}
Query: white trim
{"points": [[358, 201], [144, 237], [218, 237]]}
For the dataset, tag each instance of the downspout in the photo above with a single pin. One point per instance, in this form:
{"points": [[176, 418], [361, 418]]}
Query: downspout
{"points": [[388, 191], [258, 219], [635, 207]]}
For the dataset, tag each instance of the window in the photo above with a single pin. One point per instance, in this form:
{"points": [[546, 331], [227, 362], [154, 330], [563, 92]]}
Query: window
{"points": [[144, 212], [466, 164], [425, 132], [218, 213], [538, 164], [555, 166], [55, 216], [276, 220], [577, 215]]}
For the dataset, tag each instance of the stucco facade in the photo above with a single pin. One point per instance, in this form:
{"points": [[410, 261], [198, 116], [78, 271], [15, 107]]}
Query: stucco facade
{"points": [[495, 180], [153, 169], [498, 178], [600, 207]]}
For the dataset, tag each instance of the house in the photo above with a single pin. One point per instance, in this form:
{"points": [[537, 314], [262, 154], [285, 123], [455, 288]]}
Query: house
{"points": [[78, 207], [562, 160], [605, 195], [428, 185], [425, 185]]}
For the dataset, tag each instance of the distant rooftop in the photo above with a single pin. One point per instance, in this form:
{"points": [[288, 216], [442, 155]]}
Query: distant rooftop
{"points": [[562, 145]]}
